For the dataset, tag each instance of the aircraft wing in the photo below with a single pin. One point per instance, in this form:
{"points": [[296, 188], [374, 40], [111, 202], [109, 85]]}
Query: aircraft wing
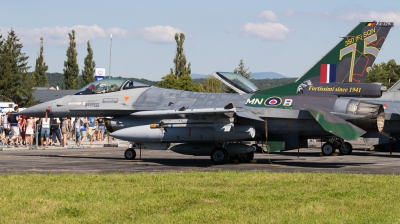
{"points": [[228, 110], [334, 124], [183, 112]]}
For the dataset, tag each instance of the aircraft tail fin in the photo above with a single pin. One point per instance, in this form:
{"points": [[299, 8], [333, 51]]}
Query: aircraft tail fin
{"points": [[347, 62], [352, 58]]}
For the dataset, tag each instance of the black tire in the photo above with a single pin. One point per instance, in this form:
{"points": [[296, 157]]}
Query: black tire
{"points": [[130, 154], [256, 148], [347, 149], [219, 156], [233, 159], [327, 149], [245, 158]]}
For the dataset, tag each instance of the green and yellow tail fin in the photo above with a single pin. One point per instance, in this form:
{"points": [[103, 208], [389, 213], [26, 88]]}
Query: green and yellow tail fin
{"points": [[347, 62]]}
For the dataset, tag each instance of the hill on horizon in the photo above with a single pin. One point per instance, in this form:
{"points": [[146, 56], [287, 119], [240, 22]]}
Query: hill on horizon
{"points": [[254, 75]]}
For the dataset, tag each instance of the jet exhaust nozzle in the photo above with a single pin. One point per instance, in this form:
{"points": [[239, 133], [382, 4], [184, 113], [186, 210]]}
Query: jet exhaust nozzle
{"points": [[373, 115]]}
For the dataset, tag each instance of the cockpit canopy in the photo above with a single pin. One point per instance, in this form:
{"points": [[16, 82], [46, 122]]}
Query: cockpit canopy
{"points": [[237, 82], [109, 85]]}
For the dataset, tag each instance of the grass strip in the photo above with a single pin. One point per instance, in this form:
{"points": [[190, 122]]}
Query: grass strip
{"points": [[200, 197]]}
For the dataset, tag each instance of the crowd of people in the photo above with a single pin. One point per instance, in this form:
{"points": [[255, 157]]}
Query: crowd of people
{"points": [[16, 130]]}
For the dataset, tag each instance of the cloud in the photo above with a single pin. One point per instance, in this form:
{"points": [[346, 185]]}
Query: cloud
{"points": [[373, 15], [118, 32], [58, 36], [309, 14], [269, 15], [265, 31], [159, 34]]}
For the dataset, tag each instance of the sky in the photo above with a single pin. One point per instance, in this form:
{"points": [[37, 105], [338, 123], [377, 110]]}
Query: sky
{"points": [[286, 37]]}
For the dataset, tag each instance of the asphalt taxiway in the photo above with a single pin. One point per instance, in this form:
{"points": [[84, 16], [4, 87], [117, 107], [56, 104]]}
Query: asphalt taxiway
{"points": [[111, 160]]}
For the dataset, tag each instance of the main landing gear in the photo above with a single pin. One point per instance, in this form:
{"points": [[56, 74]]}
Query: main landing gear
{"points": [[219, 156], [225, 152], [345, 148]]}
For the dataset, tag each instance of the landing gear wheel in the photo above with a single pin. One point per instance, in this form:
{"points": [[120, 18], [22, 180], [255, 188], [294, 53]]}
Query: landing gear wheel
{"points": [[327, 149], [233, 159], [219, 156], [245, 158], [347, 149], [130, 154], [256, 147], [336, 144]]}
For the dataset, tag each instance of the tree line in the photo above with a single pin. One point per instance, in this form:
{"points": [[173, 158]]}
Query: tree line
{"points": [[387, 73], [57, 79], [16, 81]]}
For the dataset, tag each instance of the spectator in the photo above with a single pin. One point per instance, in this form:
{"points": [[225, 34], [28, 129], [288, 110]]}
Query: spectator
{"points": [[6, 127], [72, 129], [92, 136], [1, 124], [2, 140], [91, 121], [77, 127], [83, 129], [45, 131], [39, 130], [13, 119], [65, 127], [101, 129], [30, 126], [55, 130], [22, 129]]}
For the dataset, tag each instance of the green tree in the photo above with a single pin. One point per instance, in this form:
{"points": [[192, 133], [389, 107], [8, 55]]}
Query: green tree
{"points": [[15, 84], [88, 70], [1, 41], [185, 82], [385, 73], [2, 98], [179, 77], [71, 67], [39, 77], [212, 85], [242, 70], [180, 58], [169, 81]]}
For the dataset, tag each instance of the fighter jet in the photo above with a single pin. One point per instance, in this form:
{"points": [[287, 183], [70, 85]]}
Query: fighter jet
{"points": [[216, 124]]}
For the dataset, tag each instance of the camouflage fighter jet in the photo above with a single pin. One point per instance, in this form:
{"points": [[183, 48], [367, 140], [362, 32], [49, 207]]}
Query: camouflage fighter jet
{"points": [[215, 124]]}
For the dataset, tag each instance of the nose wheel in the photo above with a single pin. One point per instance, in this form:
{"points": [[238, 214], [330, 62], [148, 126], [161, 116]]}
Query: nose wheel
{"points": [[130, 154]]}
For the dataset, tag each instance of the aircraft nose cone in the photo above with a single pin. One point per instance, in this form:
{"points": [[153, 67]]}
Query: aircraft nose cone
{"points": [[36, 111], [122, 134]]}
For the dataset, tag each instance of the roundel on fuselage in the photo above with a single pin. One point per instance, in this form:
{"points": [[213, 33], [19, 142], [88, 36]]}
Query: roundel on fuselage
{"points": [[273, 101]]}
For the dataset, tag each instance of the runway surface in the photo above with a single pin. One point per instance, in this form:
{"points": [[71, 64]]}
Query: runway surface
{"points": [[111, 160]]}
